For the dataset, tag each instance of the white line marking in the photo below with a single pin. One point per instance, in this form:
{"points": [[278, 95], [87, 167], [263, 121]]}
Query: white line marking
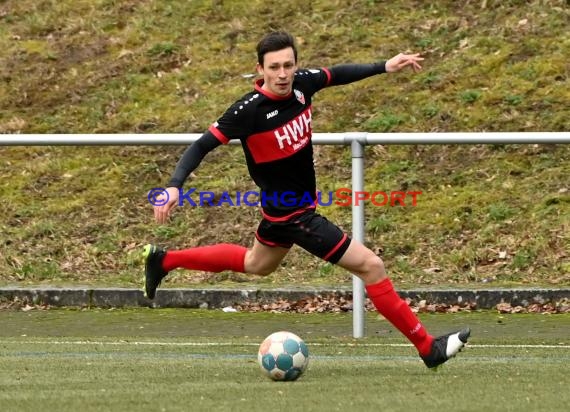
{"points": [[195, 344]]}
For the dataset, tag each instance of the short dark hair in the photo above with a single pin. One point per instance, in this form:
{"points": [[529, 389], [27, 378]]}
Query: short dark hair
{"points": [[274, 41]]}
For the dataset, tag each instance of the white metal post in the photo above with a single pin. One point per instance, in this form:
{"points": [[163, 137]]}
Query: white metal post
{"points": [[357, 148]]}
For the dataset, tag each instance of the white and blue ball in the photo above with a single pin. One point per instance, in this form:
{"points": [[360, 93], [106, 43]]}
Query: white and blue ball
{"points": [[283, 356]]}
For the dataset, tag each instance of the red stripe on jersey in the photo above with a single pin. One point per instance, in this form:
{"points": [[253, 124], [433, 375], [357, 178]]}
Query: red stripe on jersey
{"points": [[272, 244], [219, 135], [283, 141], [286, 217], [334, 249], [328, 73]]}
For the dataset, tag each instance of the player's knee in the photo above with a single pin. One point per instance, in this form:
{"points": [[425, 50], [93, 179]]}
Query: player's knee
{"points": [[261, 264], [373, 264], [259, 268], [372, 270], [264, 270]]}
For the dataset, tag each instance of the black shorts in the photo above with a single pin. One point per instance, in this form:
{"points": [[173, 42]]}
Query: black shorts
{"points": [[309, 230]]}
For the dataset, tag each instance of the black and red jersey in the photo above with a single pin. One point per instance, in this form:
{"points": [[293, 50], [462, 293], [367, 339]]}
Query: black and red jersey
{"points": [[275, 132]]}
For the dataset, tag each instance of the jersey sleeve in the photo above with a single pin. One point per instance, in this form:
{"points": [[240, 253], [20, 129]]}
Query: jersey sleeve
{"points": [[316, 79], [313, 79], [192, 158], [348, 73], [236, 122]]}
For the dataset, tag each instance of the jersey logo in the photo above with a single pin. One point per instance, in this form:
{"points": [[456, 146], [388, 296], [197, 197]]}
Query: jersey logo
{"points": [[296, 133], [272, 114], [300, 96], [283, 141]]}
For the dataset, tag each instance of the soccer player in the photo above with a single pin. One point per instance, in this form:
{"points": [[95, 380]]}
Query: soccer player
{"points": [[273, 124]]}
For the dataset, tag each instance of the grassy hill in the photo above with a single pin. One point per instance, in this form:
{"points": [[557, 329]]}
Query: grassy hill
{"points": [[488, 215]]}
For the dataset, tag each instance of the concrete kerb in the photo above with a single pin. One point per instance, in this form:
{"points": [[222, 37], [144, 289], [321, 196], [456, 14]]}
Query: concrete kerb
{"points": [[220, 298]]}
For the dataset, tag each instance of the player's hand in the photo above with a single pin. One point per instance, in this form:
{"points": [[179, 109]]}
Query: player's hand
{"points": [[162, 211], [397, 63]]}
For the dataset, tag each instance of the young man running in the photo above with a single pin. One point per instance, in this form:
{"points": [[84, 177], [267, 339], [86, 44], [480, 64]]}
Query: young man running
{"points": [[273, 124]]}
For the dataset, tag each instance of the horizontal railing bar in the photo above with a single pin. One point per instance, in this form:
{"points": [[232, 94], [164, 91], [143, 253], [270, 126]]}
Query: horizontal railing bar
{"points": [[450, 138]]}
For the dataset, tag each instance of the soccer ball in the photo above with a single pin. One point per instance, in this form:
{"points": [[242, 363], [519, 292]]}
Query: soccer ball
{"points": [[283, 356]]}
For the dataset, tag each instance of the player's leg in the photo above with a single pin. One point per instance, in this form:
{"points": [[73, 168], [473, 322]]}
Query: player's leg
{"points": [[214, 258], [324, 239], [263, 259], [269, 248], [362, 262], [260, 260]]}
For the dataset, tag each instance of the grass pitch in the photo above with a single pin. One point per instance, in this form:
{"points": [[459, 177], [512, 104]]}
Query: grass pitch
{"points": [[182, 360]]}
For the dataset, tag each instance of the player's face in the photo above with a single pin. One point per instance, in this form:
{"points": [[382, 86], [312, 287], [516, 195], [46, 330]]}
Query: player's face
{"points": [[278, 71]]}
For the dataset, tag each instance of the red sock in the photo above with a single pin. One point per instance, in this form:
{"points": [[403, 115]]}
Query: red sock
{"points": [[216, 258], [393, 308]]}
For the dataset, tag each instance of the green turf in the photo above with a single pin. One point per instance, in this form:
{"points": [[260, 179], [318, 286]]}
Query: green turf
{"points": [[182, 360]]}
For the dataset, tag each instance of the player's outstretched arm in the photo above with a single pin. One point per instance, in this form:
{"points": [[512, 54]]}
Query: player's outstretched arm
{"points": [[348, 73]]}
